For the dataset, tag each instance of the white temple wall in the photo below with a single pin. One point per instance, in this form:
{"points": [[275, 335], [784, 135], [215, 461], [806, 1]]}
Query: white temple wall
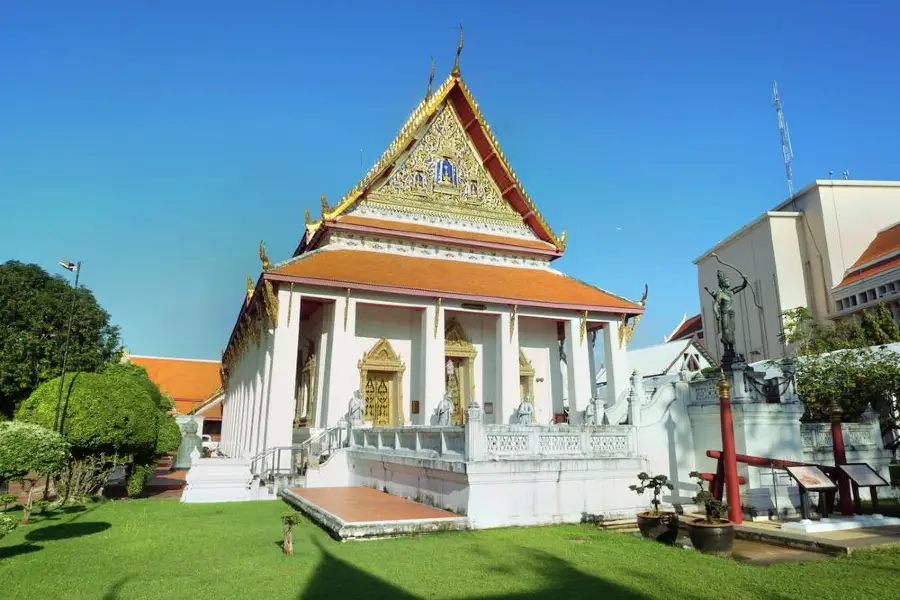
{"points": [[537, 341]]}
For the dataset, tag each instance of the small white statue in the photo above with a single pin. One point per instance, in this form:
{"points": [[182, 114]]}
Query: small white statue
{"points": [[590, 417], [525, 412], [444, 408], [356, 408]]}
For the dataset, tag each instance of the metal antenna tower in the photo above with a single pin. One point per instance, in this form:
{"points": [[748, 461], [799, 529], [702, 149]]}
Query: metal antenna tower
{"points": [[786, 150]]}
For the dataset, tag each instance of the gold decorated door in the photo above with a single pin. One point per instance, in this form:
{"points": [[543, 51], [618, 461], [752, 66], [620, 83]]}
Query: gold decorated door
{"points": [[378, 398]]}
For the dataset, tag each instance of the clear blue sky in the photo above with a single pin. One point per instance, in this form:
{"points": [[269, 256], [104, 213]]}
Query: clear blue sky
{"points": [[159, 143]]}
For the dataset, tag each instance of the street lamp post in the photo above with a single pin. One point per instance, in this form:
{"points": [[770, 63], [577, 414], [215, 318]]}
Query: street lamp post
{"points": [[76, 267]]}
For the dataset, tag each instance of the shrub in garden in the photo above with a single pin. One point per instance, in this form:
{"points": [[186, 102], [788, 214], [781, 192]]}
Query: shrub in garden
{"points": [[7, 524], [137, 479], [28, 452], [7, 499], [108, 419]]}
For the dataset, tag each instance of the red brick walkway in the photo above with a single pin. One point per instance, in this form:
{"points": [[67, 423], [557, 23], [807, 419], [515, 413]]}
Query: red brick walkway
{"points": [[363, 505]]}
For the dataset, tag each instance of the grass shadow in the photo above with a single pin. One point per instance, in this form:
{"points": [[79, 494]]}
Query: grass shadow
{"points": [[66, 530], [26, 548], [113, 592]]}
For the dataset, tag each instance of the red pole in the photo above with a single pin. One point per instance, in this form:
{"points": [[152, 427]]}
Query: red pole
{"points": [[840, 458], [729, 456]]}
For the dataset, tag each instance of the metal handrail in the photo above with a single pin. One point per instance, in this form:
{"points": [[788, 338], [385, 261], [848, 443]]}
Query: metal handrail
{"points": [[305, 447]]}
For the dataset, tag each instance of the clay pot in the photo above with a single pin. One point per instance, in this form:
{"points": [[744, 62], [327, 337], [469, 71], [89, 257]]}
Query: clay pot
{"points": [[712, 538], [662, 526]]}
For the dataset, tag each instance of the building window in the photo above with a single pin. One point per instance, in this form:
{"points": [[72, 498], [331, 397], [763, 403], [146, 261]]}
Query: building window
{"points": [[871, 295], [445, 172], [891, 287], [882, 290], [840, 305]]}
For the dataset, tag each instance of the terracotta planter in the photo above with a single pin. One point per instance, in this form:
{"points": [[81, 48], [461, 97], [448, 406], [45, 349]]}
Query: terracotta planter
{"points": [[712, 538], [662, 526]]}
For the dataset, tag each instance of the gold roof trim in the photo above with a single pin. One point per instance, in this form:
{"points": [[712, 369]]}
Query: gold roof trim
{"points": [[418, 118]]}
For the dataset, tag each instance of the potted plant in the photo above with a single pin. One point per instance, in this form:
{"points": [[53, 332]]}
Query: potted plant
{"points": [[712, 534], [654, 523]]}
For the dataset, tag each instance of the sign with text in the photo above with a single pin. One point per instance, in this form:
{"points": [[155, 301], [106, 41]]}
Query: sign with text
{"points": [[863, 475], [811, 478]]}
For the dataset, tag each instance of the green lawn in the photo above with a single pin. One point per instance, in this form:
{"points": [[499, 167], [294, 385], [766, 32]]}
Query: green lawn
{"points": [[163, 549]]}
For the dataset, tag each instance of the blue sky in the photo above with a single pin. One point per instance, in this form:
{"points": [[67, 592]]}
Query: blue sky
{"points": [[159, 143]]}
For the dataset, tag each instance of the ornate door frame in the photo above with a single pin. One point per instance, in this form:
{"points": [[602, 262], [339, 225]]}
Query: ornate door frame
{"points": [[457, 345], [381, 358]]}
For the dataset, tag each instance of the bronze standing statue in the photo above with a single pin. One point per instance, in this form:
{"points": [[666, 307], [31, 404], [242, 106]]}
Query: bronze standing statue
{"points": [[723, 310]]}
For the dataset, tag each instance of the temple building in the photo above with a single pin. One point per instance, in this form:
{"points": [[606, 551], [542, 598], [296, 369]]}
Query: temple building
{"points": [[433, 275]]}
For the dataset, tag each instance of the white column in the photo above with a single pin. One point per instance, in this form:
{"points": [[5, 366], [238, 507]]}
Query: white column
{"points": [[507, 400], [592, 338], [344, 376], [577, 367], [255, 408], [281, 389], [616, 364], [433, 382], [322, 369]]}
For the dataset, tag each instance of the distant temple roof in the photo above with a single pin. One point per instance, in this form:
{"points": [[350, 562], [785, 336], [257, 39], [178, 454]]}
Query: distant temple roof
{"points": [[882, 254], [688, 327], [653, 361], [189, 382]]}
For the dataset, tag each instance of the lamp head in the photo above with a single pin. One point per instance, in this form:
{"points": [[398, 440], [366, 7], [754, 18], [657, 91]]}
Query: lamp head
{"points": [[68, 265]]}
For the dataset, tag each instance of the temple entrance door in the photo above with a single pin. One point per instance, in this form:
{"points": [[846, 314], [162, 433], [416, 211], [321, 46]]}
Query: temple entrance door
{"points": [[381, 384], [379, 399]]}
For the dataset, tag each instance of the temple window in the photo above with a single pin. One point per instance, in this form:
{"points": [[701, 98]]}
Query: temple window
{"points": [[419, 180]]}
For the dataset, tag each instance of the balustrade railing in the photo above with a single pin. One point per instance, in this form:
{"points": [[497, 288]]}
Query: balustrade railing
{"points": [[434, 442]]}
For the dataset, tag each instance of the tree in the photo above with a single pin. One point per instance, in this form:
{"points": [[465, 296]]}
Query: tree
{"points": [[28, 452], [34, 313], [845, 361]]}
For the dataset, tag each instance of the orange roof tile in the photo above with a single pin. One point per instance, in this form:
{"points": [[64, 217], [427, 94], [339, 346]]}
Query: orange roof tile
{"points": [[886, 242], [878, 257], [188, 382], [874, 269], [429, 276], [400, 227]]}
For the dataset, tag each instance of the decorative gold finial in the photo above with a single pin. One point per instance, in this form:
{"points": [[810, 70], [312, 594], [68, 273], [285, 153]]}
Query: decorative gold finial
{"points": [[562, 239], [250, 286], [263, 257], [324, 205], [430, 80], [459, 49], [308, 217]]}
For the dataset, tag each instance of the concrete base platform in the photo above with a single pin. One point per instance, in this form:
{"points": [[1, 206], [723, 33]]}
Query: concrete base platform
{"points": [[840, 523], [830, 542], [359, 513]]}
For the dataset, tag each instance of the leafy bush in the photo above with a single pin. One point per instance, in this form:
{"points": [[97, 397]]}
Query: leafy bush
{"points": [[137, 479], [7, 524], [28, 451], [7, 499], [654, 484], [169, 436]]}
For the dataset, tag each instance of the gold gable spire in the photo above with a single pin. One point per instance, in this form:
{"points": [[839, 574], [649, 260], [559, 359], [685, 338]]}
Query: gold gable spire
{"points": [[459, 49], [430, 80]]}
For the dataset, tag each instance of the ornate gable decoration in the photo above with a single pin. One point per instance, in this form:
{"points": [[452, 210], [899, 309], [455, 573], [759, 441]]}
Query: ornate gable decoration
{"points": [[456, 343], [381, 357], [442, 175]]}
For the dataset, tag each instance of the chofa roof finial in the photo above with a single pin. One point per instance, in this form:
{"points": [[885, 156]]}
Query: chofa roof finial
{"points": [[459, 49], [430, 80]]}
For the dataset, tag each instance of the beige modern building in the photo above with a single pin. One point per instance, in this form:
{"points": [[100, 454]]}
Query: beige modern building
{"points": [[795, 255]]}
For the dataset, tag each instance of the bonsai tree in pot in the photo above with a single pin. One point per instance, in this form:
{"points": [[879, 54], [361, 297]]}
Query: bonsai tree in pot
{"points": [[660, 525], [712, 534]]}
